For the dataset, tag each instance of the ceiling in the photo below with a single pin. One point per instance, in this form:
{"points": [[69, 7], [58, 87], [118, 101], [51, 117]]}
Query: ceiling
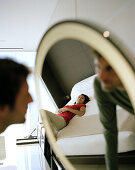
{"points": [[23, 23]]}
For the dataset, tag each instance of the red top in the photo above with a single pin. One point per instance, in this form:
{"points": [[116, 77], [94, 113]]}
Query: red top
{"points": [[69, 115]]}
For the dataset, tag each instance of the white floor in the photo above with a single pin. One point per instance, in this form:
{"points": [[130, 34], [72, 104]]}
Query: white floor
{"points": [[30, 157], [23, 157]]}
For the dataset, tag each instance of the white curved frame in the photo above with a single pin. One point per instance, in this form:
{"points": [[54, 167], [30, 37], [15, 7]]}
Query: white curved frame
{"points": [[89, 36]]}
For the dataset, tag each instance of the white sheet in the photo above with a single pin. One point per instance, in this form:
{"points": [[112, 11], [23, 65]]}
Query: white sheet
{"points": [[95, 144]]}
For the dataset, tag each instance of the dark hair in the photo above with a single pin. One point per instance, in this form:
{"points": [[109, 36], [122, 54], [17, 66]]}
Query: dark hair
{"points": [[12, 74], [86, 100]]}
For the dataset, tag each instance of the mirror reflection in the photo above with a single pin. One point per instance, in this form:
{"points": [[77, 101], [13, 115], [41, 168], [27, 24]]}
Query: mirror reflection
{"points": [[71, 70], [67, 62]]}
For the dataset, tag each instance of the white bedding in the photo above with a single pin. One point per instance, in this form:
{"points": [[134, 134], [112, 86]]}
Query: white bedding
{"points": [[95, 144], [83, 135]]}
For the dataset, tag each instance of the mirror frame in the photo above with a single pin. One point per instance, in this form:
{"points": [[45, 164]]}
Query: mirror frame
{"points": [[92, 35]]}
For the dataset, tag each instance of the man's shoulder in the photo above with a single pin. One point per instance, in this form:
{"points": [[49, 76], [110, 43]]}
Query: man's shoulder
{"points": [[99, 93], [97, 84]]}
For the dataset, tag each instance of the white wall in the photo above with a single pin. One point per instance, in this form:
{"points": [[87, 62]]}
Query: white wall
{"points": [[23, 23], [116, 15]]}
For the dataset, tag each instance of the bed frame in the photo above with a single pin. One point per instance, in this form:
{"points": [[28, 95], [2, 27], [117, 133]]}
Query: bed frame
{"points": [[54, 162]]}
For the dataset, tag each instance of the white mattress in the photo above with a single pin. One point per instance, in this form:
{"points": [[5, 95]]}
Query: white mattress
{"points": [[94, 144], [83, 135]]}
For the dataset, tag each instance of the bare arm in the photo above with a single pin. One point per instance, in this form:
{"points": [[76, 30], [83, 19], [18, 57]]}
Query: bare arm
{"points": [[80, 112]]}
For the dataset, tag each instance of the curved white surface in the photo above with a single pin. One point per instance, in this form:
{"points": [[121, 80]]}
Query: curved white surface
{"points": [[95, 144]]}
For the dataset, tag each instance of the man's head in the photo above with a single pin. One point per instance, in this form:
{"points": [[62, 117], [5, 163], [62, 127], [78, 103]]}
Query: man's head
{"points": [[14, 95], [106, 74]]}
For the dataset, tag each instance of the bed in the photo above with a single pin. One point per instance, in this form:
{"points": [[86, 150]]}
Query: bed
{"points": [[83, 135]]}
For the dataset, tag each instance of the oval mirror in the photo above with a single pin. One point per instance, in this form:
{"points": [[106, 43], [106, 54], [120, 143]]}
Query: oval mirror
{"points": [[65, 68]]}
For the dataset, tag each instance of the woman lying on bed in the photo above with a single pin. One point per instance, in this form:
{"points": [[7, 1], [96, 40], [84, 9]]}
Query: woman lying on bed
{"points": [[61, 119]]}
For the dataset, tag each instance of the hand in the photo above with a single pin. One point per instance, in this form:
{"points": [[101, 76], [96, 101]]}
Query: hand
{"points": [[64, 109]]}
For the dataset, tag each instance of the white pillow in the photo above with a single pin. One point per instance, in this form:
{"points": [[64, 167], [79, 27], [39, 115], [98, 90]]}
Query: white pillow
{"points": [[83, 87], [91, 108]]}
